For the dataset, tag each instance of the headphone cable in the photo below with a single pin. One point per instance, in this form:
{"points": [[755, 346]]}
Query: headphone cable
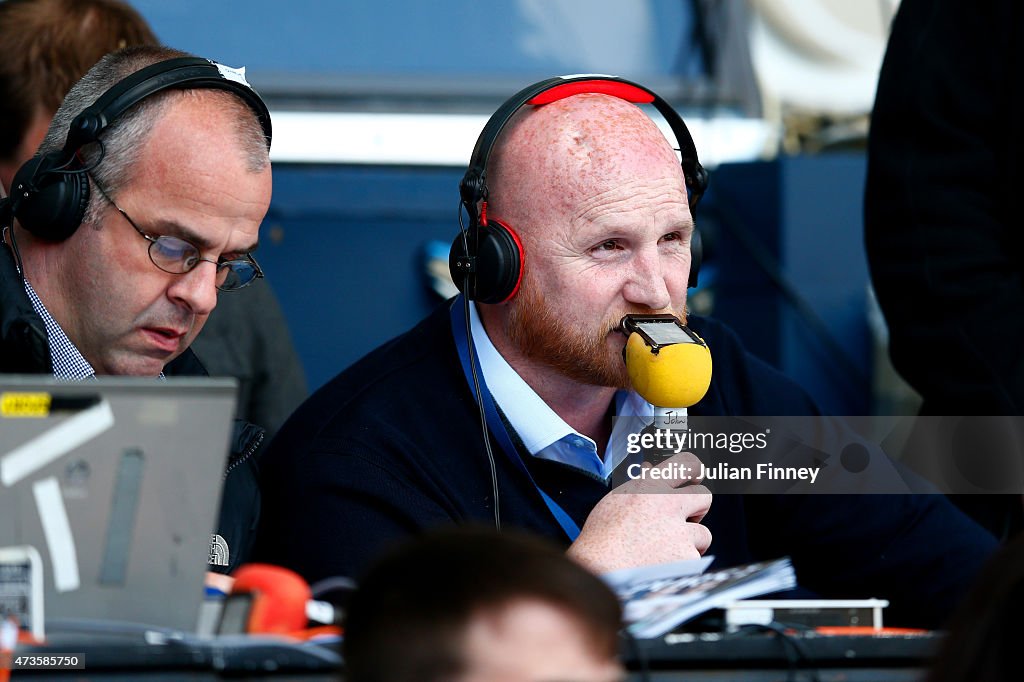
{"points": [[8, 231], [476, 381], [86, 168]]}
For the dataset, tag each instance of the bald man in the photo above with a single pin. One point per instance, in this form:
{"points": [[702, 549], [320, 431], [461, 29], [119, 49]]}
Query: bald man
{"points": [[393, 445]]}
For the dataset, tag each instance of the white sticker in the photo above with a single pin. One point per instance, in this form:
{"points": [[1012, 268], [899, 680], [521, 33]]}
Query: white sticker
{"points": [[586, 75], [233, 74], [50, 445], [57, 530]]}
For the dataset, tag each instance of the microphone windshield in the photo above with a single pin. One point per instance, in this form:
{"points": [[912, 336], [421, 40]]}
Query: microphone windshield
{"points": [[668, 364]]}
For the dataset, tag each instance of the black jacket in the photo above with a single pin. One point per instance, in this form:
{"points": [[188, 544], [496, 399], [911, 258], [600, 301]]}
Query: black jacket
{"points": [[25, 349], [392, 446], [941, 208], [941, 213]]}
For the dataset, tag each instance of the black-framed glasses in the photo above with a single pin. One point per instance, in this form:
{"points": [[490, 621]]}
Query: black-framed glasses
{"points": [[177, 256]]}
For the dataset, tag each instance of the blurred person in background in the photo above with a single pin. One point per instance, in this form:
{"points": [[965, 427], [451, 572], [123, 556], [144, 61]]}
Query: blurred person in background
{"points": [[941, 219], [47, 46]]}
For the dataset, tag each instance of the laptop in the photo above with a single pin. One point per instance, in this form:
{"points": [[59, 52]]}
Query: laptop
{"points": [[109, 491]]}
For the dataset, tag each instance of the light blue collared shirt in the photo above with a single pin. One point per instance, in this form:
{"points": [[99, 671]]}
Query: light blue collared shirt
{"points": [[544, 434]]}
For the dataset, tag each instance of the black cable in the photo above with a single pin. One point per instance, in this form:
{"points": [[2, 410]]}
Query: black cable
{"points": [[7, 227], [793, 648], [9, 230], [339, 583], [476, 379], [84, 169]]}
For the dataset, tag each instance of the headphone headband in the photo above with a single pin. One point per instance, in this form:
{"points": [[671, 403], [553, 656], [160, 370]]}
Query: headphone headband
{"points": [[178, 73], [473, 187]]}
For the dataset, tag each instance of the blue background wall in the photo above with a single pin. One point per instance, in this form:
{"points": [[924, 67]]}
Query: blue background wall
{"points": [[343, 248], [460, 37]]}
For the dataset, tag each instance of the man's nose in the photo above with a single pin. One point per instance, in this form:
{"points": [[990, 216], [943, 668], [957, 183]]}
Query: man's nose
{"points": [[647, 285], [196, 289]]}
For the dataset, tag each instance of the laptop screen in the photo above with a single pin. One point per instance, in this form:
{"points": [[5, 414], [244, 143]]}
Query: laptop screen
{"points": [[115, 485]]}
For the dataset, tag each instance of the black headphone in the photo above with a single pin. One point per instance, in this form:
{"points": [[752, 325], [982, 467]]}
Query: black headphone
{"points": [[50, 192], [486, 262]]}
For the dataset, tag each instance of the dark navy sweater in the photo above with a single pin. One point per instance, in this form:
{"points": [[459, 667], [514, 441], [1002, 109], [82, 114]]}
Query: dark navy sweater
{"points": [[393, 446]]}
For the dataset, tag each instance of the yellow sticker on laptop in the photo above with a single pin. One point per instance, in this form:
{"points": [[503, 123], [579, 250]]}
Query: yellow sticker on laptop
{"points": [[25, 404]]}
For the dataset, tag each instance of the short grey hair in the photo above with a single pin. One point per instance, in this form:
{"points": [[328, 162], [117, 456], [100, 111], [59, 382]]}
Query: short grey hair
{"points": [[125, 136]]}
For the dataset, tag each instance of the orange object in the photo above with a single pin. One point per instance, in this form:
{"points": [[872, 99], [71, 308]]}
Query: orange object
{"points": [[279, 598], [850, 630]]}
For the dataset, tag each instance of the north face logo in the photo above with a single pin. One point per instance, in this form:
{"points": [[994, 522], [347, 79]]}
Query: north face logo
{"points": [[219, 553]]}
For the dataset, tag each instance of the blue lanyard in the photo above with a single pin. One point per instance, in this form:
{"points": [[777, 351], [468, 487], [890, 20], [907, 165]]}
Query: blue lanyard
{"points": [[494, 421]]}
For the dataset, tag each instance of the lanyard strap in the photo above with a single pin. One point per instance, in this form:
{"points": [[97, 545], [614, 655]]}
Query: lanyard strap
{"points": [[494, 422]]}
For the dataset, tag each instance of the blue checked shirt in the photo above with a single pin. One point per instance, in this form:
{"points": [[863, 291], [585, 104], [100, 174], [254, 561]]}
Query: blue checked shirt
{"points": [[68, 362]]}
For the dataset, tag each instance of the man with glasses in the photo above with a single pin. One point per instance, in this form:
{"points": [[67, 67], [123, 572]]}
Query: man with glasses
{"points": [[173, 193], [180, 256]]}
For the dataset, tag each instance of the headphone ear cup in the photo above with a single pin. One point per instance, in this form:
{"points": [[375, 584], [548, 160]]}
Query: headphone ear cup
{"points": [[696, 255], [499, 263], [51, 205]]}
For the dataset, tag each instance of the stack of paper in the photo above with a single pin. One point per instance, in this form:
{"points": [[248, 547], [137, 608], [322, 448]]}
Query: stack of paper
{"points": [[656, 599]]}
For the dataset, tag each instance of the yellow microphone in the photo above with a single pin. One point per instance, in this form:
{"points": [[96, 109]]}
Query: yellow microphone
{"points": [[668, 364]]}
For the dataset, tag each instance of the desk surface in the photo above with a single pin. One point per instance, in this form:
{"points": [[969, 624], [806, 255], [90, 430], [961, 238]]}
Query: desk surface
{"points": [[773, 656], [707, 656]]}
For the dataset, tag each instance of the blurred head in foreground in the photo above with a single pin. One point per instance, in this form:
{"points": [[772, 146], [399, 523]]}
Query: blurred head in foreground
{"points": [[470, 604]]}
